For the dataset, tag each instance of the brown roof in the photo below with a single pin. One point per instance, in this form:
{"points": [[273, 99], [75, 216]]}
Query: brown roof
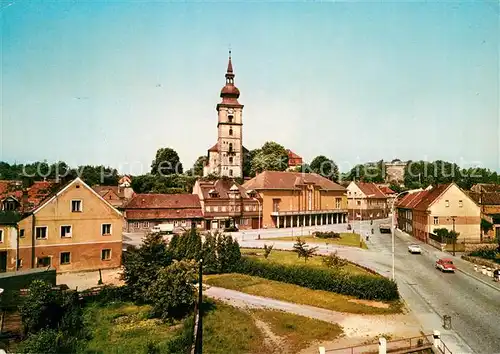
{"points": [[163, 201], [289, 180], [431, 196], [488, 198], [215, 147], [410, 200], [370, 189], [486, 187], [222, 186], [386, 190], [152, 214], [103, 190]]}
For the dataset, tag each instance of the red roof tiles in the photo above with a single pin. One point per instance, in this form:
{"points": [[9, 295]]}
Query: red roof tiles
{"points": [[36, 193], [370, 190], [386, 190], [431, 196], [163, 206], [289, 180], [222, 188]]}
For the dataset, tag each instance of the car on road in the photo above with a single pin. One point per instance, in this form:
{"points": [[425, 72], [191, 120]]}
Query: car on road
{"points": [[445, 265], [414, 249], [384, 228]]}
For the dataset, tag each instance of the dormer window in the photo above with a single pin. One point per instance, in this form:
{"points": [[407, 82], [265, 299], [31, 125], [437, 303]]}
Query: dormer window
{"points": [[213, 193], [9, 205]]}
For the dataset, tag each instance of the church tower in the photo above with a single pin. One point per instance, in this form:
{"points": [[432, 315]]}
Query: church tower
{"points": [[226, 157]]}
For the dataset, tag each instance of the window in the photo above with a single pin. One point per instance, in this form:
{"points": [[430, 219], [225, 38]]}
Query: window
{"points": [[19, 263], [65, 231], [106, 229], [230, 147], [76, 206], [247, 208], [231, 160], [145, 224], [41, 232], [43, 262], [230, 131], [447, 203], [65, 258], [460, 204], [216, 208], [230, 118], [9, 205], [338, 202], [223, 209], [1, 236], [21, 233], [136, 224], [436, 220], [358, 202], [106, 254], [207, 209], [230, 172]]}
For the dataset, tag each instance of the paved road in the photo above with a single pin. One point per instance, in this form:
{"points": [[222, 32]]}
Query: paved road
{"points": [[473, 305]]}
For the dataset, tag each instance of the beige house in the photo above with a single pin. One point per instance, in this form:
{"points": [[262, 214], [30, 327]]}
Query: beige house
{"points": [[294, 199], [366, 201], [442, 206], [72, 229]]}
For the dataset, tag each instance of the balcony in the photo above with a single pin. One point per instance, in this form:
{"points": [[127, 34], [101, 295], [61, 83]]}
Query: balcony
{"points": [[309, 212]]}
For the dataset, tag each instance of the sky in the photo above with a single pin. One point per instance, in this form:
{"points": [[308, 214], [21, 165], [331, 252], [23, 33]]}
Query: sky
{"points": [[110, 82]]}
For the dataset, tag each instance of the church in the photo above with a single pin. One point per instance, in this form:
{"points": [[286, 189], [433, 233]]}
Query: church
{"points": [[225, 158]]}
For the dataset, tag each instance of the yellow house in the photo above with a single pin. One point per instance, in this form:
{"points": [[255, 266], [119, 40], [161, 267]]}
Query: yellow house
{"points": [[298, 199], [74, 229]]}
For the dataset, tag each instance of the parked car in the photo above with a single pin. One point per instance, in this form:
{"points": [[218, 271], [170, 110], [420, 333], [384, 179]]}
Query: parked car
{"points": [[384, 228], [414, 249], [445, 265]]}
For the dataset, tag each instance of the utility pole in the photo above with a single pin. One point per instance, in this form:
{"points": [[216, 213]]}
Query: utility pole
{"points": [[454, 234], [199, 328]]}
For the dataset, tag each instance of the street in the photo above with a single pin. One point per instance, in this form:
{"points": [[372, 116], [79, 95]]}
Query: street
{"points": [[473, 306]]}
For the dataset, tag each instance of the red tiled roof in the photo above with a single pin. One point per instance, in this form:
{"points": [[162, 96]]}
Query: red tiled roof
{"points": [[152, 214], [289, 180], [386, 190], [103, 190], [431, 196], [370, 189], [37, 192], [163, 201], [222, 187], [215, 147], [410, 200], [487, 198]]}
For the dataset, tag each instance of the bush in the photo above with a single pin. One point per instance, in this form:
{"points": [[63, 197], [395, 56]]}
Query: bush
{"points": [[173, 294], [47, 341], [363, 286], [486, 253], [327, 234], [334, 261]]}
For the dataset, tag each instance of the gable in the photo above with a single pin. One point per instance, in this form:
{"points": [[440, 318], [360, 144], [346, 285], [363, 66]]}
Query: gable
{"points": [[92, 203], [448, 203], [354, 191]]}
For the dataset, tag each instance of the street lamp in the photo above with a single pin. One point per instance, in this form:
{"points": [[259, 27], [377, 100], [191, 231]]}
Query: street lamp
{"points": [[260, 210], [392, 231], [454, 235]]}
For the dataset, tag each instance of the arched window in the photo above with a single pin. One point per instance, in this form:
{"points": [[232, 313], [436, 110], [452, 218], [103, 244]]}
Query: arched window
{"points": [[230, 118], [230, 131], [231, 160], [230, 172], [230, 147]]}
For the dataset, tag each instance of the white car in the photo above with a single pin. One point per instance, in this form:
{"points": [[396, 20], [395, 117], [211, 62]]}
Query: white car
{"points": [[414, 249]]}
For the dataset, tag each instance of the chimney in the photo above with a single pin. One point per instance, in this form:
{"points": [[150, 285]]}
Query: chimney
{"points": [[24, 201]]}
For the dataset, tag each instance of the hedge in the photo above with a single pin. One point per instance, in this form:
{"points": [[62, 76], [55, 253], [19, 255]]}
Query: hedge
{"points": [[327, 234], [362, 286], [488, 253]]}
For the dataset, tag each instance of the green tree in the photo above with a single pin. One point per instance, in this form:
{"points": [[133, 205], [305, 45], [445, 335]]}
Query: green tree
{"points": [[325, 167], [199, 164], [271, 157], [173, 293], [303, 250], [40, 309], [369, 172], [267, 250], [248, 157], [141, 265], [166, 162], [209, 252]]}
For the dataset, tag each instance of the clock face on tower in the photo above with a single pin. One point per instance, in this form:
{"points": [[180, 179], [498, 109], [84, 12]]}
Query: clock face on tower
{"points": [[230, 111]]}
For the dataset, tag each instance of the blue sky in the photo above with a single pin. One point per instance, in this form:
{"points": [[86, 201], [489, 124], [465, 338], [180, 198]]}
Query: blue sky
{"points": [[110, 82]]}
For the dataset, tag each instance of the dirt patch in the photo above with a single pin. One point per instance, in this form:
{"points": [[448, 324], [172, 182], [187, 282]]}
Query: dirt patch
{"points": [[271, 340], [377, 304]]}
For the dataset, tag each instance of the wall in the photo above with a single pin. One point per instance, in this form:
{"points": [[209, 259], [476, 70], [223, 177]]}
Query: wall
{"points": [[86, 230]]}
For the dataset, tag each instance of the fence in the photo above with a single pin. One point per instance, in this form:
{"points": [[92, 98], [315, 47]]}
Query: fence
{"points": [[405, 345], [443, 349]]}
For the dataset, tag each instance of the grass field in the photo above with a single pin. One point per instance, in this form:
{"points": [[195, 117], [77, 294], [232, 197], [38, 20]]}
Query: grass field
{"points": [[289, 257], [346, 239], [227, 329], [297, 294], [124, 328]]}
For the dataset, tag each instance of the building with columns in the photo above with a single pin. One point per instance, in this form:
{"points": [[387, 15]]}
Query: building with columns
{"points": [[225, 158], [295, 199]]}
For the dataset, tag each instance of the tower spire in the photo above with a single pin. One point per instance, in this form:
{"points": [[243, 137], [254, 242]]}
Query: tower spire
{"points": [[229, 73]]}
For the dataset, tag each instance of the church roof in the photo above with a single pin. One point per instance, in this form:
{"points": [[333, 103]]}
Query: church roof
{"points": [[290, 181]]}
